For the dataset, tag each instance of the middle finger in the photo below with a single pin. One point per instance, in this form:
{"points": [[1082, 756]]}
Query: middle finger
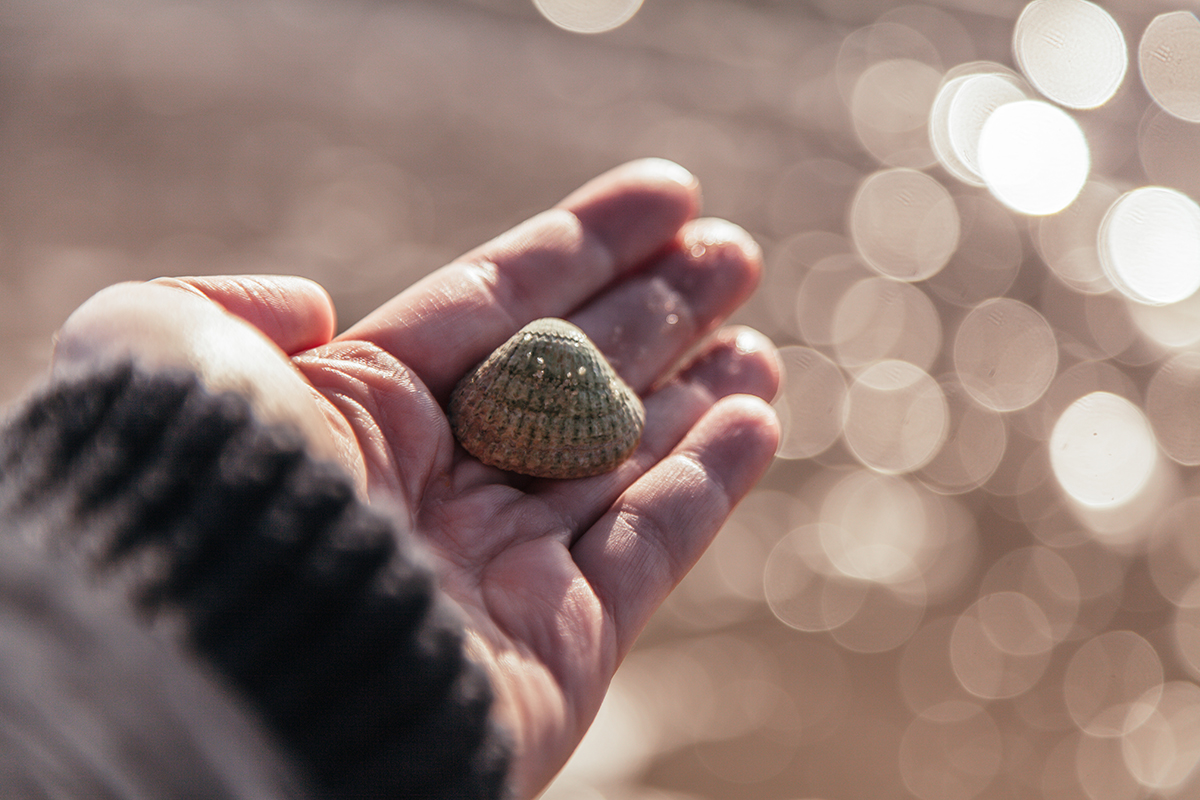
{"points": [[645, 324]]}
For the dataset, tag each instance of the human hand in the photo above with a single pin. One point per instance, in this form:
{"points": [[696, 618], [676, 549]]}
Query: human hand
{"points": [[555, 578]]}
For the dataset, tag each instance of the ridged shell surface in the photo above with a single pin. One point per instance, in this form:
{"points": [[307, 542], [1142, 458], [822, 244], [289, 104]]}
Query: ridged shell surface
{"points": [[546, 403]]}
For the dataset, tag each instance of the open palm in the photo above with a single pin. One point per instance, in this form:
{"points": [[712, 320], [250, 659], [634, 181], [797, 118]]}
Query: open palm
{"points": [[556, 578]]}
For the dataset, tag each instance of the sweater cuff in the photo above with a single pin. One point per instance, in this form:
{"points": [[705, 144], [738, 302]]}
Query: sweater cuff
{"points": [[316, 607]]}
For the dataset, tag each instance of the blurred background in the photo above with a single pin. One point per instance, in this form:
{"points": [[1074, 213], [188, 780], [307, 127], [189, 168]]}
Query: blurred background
{"points": [[972, 571]]}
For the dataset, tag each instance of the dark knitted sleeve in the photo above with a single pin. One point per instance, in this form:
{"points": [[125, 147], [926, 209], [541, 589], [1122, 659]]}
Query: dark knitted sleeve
{"points": [[315, 607], [93, 705]]}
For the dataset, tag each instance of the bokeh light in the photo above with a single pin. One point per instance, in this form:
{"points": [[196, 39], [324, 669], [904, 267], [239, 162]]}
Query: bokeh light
{"points": [[989, 254], [1149, 244], [1112, 683], [1072, 51], [1171, 401], [895, 416], [802, 588], [879, 318], [973, 570], [951, 751], [1103, 450], [1068, 241], [1046, 580], [1001, 646], [1169, 151], [974, 445], [890, 106], [855, 539], [588, 16], [1169, 59], [1174, 326], [815, 302], [1005, 354], [1162, 749], [810, 403], [1185, 627], [1033, 157], [962, 106], [904, 224]]}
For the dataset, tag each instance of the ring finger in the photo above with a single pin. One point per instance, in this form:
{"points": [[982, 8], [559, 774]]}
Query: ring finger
{"points": [[737, 361]]}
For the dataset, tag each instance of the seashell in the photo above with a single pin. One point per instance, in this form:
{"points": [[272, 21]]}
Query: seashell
{"points": [[546, 403]]}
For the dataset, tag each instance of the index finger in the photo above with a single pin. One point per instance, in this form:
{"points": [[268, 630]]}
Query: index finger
{"points": [[547, 266]]}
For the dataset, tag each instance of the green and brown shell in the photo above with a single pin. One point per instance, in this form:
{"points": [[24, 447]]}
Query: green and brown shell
{"points": [[546, 403]]}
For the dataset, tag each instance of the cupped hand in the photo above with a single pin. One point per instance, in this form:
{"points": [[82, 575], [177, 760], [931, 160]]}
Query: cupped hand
{"points": [[555, 578]]}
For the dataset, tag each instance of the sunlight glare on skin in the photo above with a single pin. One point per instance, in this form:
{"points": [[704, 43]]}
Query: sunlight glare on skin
{"points": [[588, 16], [1033, 157], [1072, 51], [1102, 450], [1169, 59], [1149, 245]]}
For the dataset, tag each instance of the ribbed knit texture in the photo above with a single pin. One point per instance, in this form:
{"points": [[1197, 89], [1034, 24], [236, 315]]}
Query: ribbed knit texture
{"points": [[309, 602], [94, 706]]}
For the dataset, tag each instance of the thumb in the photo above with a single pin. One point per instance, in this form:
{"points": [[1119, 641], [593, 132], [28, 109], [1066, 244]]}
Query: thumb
{"points": [[241, 347], [295, 313]]}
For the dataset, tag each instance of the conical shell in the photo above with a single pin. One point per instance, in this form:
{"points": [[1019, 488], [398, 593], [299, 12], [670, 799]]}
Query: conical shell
{"points": [[546, 403]]}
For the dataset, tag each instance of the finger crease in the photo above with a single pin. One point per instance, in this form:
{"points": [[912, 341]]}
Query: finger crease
{"points": [[709, 477], [485, 275]]}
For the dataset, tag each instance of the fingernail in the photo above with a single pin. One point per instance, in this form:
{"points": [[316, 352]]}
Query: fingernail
{"points": [[712, 232], [670, 170]]}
